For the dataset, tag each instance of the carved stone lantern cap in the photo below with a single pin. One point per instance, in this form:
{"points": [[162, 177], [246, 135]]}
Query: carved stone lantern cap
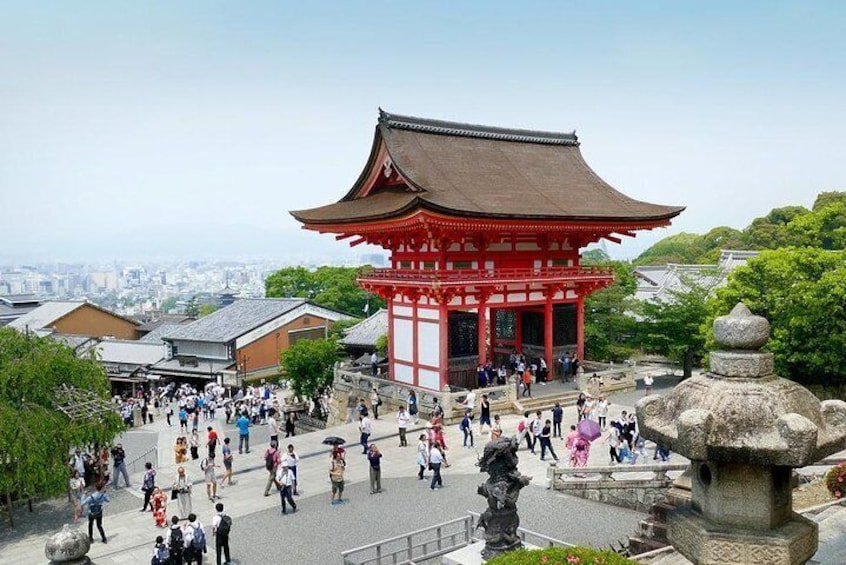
{"points": [[740, 411]]}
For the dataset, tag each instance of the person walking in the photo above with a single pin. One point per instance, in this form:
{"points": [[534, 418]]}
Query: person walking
{"points": [[271, 464], [183, 420], [557, 418], [158, 504], [176, 542], [422, 455], [375, 402], [527, 383], [243, 424], [195, 540], [496, 428], [366, 429], [284, 481], [272, 426], [207, 466], [148, 484], [119, 458], [221, 526], [291, 459], [336, 477], [484, 414], [648, 381], [211, 442], [76, 487], [182, 488], [227, 463], [602, 411], [169, 414], [413, 409], [95, 502], [374, 456], [402, 424], [436, 458], [161, 552], [195, 445], [546, 441], [290, 424], [466, 428]]}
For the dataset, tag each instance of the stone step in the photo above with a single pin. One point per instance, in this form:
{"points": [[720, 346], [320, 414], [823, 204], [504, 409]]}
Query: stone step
{"points": [[652, 529], [828, 512], [660, 511], [548, 402], [640, 544], [678, 497]]}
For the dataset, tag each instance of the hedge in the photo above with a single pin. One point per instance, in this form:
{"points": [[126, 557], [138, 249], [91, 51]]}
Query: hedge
{"points": [[561, 556]]}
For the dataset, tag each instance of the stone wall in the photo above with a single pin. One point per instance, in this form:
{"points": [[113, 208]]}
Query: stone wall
{"points": [[637, 495]]}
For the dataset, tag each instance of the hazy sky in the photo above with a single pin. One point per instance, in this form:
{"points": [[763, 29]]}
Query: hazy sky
{"points": [[169, 128]]}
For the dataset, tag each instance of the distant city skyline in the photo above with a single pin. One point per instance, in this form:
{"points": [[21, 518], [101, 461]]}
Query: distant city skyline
{"points": [[169, 130]]}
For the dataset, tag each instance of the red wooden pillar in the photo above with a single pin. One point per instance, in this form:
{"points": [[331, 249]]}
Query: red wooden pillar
{"points": [[492, 318], [482, 333], [443, 333], [518, 330], [547, 333], [580, 327]]}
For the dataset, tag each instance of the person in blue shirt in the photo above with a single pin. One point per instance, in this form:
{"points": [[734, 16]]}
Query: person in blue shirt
{"points": [[95, 502], [466, 429], [183, 419], [243, 424]]}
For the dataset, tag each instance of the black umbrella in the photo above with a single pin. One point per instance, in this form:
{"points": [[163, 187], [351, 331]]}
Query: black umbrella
{"points": [[334, 440]]}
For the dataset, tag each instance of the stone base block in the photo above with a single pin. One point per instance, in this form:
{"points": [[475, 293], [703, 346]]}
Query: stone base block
{"points": [[707, 543], [471, 554]]}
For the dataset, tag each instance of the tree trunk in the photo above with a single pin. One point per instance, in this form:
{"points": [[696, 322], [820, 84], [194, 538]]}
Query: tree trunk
{"points": [[9, 506], [688, 364]]}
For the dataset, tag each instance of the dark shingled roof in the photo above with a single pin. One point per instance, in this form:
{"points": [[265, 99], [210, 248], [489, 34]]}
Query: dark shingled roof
{"points": [[479, 171]]}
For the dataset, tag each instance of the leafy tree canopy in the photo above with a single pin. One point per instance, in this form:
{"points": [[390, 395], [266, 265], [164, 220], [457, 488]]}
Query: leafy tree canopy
{"points": [[608, 324], [35, 437], [802, 292], [206, 309], [332, 287], [308, 365]]}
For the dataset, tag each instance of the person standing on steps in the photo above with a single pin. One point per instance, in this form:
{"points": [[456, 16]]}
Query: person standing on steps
{"points": [[402, 424], [243, 424], [95, 502], [284, 482], [366, 429], [374, 457], [221, 526]]}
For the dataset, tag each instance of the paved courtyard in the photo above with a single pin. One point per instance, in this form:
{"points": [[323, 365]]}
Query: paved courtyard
{"points": [[318, 532]]}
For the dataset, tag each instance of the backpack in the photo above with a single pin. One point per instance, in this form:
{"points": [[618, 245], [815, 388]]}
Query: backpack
{"points": [[95, 507], [269, 460], [363, 410], [176, 541], [149, 480], [199, 541], [225, 525], [521, 427], [162, 556]]}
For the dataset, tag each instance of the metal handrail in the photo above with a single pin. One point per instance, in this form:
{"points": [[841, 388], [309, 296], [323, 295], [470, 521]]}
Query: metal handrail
{"points": [[524, 533], [144, 457]]}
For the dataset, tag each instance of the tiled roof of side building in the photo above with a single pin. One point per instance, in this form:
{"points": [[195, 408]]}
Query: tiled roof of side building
{"points": [[367, 331], [46, 314], [130, 352], [481, 171], [232, 321]]}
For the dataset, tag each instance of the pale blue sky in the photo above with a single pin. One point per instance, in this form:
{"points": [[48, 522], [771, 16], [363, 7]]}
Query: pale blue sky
{"points": [[192, 127]]}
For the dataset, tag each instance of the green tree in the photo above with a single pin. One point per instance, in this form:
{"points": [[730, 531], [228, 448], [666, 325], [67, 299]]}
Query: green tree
{"points": [[206, 309], [331, 287], [608, 324], [770, 231], [673, 327], [192, 309], [802, 292], [684, 248], [35, 436], [308, 365], [169, 304]]}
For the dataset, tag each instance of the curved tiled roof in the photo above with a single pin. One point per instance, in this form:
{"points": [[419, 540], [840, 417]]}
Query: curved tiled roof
{"points": [[480, 171]]}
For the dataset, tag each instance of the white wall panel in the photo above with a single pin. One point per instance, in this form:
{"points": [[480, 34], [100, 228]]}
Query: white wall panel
{"points": [[428, 379], [428, 313], [403, 311], [428, 344], [403, 340], [403, 373]]}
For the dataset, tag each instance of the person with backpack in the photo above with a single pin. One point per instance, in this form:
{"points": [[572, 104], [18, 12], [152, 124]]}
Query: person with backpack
{"points": [[221, 526], [95, 502], [466, 428], [176, 542], [148, 485], [195, 541], [271, 463], [161, 552]]}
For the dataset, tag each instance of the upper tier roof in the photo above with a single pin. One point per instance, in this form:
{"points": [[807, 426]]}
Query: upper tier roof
{"points": [[469, 170]]}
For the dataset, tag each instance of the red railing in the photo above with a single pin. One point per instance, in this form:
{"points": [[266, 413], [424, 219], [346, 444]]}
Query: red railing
{"points": [[485, 276]]}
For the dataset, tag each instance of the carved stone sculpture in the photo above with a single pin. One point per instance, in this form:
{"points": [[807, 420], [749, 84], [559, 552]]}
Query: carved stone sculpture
{"points": [[68, 547], [502, 488], [743, 428]]}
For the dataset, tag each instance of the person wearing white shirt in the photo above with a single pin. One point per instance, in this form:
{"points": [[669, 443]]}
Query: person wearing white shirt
{"points": [[402, 424], [221, 539], [290, 458], [436, 458], [365, 428], [273, 426], [284, 481]]}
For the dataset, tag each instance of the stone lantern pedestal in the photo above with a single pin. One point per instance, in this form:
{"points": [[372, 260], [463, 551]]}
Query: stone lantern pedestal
{"points": [[744, 430]]}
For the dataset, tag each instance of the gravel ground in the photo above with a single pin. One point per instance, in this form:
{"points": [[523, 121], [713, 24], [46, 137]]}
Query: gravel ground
{"points": [[318, 532]]}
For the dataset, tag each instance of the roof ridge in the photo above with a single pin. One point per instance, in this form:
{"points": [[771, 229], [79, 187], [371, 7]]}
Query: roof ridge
{"points": [[459, 129]]}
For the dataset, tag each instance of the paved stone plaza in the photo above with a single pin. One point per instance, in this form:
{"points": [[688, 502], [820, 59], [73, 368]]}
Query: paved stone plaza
{"points": [[318, 532]]}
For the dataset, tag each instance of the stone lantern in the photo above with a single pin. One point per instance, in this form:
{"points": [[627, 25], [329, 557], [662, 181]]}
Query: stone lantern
{"points": [[744, 429]]}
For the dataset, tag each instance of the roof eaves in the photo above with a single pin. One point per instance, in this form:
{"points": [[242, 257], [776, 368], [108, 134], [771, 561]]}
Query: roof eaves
{"points": [[442, 127]]}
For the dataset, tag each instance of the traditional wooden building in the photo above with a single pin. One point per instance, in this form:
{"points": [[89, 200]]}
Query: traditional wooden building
{"points": [[485, 227]]}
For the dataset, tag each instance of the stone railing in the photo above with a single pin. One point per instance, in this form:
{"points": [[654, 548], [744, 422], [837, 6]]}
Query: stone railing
{"points": [[621, 379], [395, 394], [598, 484]]}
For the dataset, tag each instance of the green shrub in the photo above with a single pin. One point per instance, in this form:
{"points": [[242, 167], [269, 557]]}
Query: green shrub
{"points": [[561, 556]]}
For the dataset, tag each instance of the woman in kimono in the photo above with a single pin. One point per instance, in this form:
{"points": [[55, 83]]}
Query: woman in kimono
{"points": [[159, 503], [581, 452]]}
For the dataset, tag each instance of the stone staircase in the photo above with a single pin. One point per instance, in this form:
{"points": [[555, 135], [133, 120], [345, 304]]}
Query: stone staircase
{"points": [[652, 532], [545, 403]]}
